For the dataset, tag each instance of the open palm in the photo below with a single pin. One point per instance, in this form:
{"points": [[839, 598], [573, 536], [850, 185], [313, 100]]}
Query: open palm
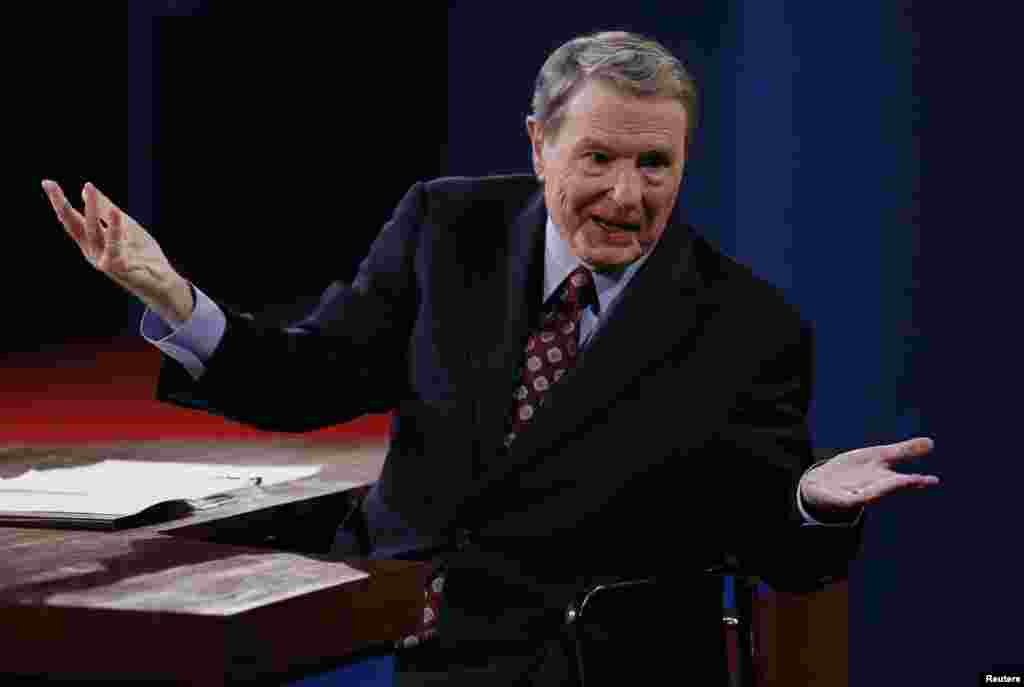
{"points": [[865, 475]]}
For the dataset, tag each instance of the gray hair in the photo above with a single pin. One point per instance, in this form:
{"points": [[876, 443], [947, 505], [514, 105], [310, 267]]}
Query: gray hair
{"points": [[633, 63]]}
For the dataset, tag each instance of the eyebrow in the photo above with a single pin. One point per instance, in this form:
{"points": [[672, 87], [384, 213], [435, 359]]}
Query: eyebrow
{"points": [[588, 142]]}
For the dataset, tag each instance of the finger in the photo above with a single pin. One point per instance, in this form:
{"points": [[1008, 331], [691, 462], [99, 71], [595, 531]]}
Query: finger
{"points": [[906, 450], [70, 219], [92, 224], [114, 239], [104, 206], [925, 481], [896, 482]]}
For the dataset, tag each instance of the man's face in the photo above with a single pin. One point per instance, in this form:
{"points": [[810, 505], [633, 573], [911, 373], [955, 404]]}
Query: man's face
{"points": [[612, 175]]}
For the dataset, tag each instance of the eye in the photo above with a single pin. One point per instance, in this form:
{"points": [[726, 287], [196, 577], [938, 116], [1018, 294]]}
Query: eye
{"points": [[653, 160], [598, 157]]}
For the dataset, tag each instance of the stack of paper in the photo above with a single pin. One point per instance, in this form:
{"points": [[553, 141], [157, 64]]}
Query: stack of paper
{"points": [[112, 493]]}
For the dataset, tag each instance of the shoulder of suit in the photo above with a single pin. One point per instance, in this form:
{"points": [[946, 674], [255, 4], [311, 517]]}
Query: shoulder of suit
{"points": [[731, 280], [503, 184], [453, 195]]}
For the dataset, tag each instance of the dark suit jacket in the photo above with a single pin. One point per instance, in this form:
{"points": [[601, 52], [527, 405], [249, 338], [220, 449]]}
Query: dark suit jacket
{"points": [[678, 439]]}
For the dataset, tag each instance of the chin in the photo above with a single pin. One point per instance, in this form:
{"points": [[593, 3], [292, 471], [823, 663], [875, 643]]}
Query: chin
{"points": [[612, 259]]}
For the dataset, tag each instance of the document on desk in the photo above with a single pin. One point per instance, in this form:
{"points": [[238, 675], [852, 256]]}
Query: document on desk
{"points": [[117, 493]]}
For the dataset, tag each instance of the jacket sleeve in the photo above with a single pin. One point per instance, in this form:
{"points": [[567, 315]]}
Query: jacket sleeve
{"points": [[346, 358], [769, 435]]}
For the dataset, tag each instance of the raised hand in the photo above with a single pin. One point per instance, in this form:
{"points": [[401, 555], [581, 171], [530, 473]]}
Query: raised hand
{"points": [[118, 246], [864, 475]]}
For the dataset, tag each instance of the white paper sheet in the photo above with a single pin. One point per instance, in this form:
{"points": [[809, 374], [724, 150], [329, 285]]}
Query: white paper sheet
{"points": [[126, 487]]}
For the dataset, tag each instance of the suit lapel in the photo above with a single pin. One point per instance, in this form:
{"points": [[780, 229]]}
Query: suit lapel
{"points": [[516, 285], [483, 254], [525, 265]]}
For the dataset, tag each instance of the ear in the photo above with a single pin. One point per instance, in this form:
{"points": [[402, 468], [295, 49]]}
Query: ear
{"points": [[536, 133]]}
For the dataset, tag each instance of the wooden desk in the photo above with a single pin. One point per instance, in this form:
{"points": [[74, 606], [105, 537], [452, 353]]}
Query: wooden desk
{"points": [[803, 638], [245, 591]]}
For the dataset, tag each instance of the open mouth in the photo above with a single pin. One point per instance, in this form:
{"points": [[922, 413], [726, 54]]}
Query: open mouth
{"points": [[614, 227], [618, 234]]}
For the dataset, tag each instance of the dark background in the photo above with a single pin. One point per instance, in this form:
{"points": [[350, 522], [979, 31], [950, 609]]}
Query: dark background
{"points": [[863, 156]]}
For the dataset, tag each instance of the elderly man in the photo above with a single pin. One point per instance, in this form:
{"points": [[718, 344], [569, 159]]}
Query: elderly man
{"points": [[583, 388]]}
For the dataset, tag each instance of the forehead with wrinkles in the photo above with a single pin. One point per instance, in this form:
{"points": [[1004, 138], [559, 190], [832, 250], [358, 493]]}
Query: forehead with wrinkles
{"points": [[600, 114]]}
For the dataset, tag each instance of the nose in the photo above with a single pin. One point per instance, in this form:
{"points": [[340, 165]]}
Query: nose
{"points": [[627, 188]]}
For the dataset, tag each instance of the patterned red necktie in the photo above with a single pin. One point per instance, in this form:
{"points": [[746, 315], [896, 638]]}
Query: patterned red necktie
{"points": [[550, 353]]}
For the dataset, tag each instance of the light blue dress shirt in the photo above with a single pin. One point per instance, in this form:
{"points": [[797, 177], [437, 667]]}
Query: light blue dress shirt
{"points": [[559, 262], [193, 342]]}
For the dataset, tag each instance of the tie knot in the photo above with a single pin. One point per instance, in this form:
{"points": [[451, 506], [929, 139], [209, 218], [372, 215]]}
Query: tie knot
{"points": [[579, 288]]}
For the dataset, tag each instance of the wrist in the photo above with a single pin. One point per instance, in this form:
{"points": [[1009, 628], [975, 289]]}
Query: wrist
{"points": [[834, 516], [176, 304], [826, 514]]}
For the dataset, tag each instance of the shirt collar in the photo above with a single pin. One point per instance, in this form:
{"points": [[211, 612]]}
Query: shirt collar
{"points": [[559, 262]]}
